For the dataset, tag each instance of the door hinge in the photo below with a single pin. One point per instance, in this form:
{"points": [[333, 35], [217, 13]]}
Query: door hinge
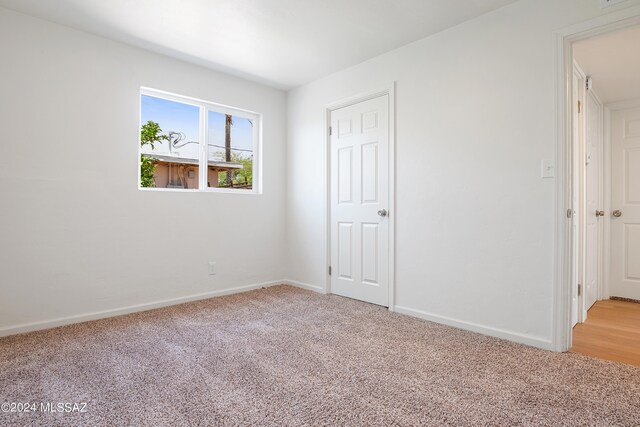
{"points": [[579, 107], [329, 270], [330, 131], [579, 289]]}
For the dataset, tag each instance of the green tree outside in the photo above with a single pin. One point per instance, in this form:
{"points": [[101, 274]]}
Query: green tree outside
{"points": [[150, 134], [243, 176]]}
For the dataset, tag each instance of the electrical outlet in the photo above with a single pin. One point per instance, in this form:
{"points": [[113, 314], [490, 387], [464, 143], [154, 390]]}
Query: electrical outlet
{"points": [[212, 268]]}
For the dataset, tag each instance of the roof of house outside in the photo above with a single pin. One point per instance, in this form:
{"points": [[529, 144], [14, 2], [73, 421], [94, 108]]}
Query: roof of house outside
{"points": [[180, 160]]}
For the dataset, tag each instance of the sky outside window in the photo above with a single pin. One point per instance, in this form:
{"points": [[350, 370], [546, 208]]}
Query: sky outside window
{"points": [[172, 117], [184, 118], [241, 136]]}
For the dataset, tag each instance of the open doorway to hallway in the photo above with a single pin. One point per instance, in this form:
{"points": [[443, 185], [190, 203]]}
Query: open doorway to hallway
{"points": [[605, 92]]}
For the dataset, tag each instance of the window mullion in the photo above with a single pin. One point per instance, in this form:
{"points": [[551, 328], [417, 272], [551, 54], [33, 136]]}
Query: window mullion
{"points": [[204, 152]]}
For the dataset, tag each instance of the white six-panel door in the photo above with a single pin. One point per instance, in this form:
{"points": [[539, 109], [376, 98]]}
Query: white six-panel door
{"points": [[625, 203], [360, 201]]}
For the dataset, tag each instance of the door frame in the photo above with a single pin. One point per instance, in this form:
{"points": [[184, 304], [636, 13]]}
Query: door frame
{"points": [[564, 209], [329, 108]]}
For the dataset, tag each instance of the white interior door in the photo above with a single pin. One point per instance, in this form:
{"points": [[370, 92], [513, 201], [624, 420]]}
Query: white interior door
{"points": [[625, 202], [576, 145], [360, 200], [592, 243]]}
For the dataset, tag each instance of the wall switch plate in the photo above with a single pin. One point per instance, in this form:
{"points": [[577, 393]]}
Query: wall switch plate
{"points": [[212, 268], [548, 169]]}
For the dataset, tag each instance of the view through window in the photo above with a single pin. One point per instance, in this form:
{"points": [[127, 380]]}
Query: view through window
{"points": [[171, 151], [230, 142]]}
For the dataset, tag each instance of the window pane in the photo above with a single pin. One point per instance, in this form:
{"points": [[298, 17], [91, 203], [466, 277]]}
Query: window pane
{"points": [[230, 151], [170, 144]]}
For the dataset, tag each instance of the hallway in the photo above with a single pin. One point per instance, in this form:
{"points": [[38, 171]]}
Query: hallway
{"points": [[612, 331]]}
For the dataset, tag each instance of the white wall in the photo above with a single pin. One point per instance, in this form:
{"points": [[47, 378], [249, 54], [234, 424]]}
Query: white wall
{"points": [[475, 116], [76, 234], [474, 220]]}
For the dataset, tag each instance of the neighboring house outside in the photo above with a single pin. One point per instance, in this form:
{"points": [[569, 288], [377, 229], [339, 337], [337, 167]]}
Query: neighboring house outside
{"points": [[180, 172]]}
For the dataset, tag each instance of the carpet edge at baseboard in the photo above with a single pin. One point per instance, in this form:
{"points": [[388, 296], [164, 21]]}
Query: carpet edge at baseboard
{"points": [[519, 338], [136, 308]]}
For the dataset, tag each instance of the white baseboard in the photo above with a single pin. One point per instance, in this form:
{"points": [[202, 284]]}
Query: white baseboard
{"points": [[474, 327], [54, 323], [48, 324], [302, 285]]}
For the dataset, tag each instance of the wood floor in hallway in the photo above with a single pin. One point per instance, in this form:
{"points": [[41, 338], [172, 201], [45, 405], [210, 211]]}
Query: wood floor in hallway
{"points": [[612, 332]]}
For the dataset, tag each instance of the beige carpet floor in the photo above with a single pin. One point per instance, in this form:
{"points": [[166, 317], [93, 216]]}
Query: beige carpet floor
{"points": [[287, 357]]}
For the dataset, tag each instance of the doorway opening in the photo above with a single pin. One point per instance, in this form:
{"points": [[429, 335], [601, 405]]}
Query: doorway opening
{"points": [[604, 113]]}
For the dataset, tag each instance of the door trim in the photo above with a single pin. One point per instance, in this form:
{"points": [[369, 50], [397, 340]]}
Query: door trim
{"points": [[563, 264], [390, 92]]}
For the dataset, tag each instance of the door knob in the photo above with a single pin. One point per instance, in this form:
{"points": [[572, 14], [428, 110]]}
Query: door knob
{"points": [[382, 212], [599, 213], [617, 213]]}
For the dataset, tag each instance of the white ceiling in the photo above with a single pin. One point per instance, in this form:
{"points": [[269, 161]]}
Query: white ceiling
{"points": [[284, 43], [613, 61]]}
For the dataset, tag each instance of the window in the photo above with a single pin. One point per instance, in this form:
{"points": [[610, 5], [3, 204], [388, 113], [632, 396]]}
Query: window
{"points": [[188, 144]]}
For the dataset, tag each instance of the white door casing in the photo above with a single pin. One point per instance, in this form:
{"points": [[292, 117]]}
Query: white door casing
{"points": [[359, 201], [625, 198], [592, 203]]}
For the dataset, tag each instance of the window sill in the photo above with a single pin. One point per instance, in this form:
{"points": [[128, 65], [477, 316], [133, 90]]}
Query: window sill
{"points": [[197, 190]]}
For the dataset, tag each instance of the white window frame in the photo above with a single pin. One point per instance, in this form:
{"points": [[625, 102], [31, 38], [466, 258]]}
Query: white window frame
{"points": [[205, 107]]}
